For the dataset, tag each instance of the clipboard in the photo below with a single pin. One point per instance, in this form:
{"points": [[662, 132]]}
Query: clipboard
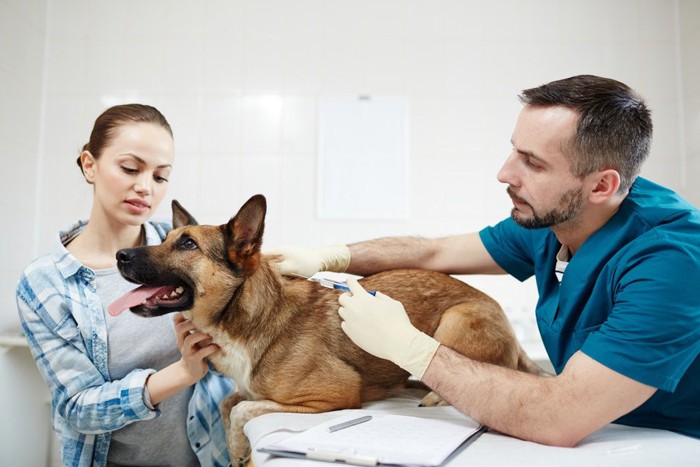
{"points": [[386, 439]]}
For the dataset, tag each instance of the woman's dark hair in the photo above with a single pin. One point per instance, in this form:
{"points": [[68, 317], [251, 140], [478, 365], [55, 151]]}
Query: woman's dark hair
{"points": [[614, 127], [111, 119]]}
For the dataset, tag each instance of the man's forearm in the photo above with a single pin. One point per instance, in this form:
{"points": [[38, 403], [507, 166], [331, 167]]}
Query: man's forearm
{"points": [[372, 256], [456, 254], [512, 402]]}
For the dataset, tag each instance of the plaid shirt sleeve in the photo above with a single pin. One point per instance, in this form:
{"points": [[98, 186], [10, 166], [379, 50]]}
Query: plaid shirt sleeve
{"points": [[84, 402]]}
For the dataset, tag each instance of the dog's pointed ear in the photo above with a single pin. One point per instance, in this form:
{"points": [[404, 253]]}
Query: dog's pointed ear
{"points": [[181, 217], [244, 233]]}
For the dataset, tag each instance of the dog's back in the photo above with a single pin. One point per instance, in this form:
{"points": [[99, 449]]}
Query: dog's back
{"points": [[300, 354]]}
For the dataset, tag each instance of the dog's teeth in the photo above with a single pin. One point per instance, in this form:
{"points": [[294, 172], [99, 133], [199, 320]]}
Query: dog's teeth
{"points": [[164, 297], [179, 290], [174, 293]]}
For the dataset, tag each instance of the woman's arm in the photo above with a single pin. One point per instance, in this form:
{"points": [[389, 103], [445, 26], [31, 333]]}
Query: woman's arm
{"points": [[84, 396], [81, 393]]}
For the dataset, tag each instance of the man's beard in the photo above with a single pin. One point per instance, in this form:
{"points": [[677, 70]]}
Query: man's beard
{"points": [[568, 208]]}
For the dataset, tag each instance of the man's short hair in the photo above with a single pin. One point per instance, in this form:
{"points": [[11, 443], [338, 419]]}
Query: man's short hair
{"points": [[614, 128]]}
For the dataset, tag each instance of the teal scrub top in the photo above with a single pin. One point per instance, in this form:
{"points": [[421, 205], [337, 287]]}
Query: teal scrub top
{"points": [[629, 299]]}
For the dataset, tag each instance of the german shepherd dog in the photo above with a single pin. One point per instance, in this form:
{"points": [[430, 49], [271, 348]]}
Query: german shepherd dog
{"points": [[280, 337]]}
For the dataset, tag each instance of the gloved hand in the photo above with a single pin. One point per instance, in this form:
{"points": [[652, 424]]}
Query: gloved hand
{"points": [[379, 325], [308, 261]]}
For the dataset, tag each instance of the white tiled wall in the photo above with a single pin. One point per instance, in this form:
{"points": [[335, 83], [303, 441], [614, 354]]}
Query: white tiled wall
{"points": [[22, 37], [24, 400], [689, 35], [240, 80]]}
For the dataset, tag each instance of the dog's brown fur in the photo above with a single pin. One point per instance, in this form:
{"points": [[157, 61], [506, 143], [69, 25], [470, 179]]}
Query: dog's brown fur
{"points": [[280, 337]]}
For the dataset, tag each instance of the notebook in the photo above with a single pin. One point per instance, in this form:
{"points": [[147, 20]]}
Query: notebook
{"points": [[383, 439]]}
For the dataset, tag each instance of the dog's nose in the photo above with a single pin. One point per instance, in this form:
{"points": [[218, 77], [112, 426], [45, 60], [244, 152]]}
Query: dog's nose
{"points": [[125, 256]]}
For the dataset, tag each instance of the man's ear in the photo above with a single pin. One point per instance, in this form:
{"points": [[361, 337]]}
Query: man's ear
{"points": [[181, 217], [606, 184]]}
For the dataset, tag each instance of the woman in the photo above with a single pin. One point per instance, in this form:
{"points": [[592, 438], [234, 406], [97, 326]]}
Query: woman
{"points": [[125, 390]]}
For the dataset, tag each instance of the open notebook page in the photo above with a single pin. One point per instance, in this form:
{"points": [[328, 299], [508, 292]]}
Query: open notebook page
{"points": [[390, 439]]}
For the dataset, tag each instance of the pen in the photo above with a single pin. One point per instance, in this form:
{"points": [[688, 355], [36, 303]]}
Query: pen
{"points": [[331, 284], [349, 423]]}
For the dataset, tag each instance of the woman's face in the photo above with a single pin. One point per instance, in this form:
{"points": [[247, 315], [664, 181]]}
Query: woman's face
{"points": [[131, 175]]}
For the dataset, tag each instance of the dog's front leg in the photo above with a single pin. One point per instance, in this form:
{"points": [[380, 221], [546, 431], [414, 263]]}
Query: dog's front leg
{"points": [[226, 406], [226, 412], [245, 410], [238, 444]]}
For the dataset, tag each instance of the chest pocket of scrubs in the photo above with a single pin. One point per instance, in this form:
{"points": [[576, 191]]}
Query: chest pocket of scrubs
{"points": [[562, 344]]}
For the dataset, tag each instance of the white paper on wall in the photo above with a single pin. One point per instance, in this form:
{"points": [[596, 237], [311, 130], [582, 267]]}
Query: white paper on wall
{"points": [[363, 158]]}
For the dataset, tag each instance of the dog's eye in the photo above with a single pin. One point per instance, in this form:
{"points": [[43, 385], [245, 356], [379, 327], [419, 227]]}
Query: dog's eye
{"points": [[188, 244]]}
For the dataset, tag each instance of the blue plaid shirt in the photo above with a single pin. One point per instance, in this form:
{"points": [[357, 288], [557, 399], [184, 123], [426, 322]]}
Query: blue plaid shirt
{"points": [[64, 322]]}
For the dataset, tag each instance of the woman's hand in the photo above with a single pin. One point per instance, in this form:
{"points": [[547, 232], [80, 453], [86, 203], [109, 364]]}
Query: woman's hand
{"points": [[195, 347]]}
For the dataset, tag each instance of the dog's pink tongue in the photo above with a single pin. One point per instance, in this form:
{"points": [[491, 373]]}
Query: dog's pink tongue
{"points": [[133, 298]]}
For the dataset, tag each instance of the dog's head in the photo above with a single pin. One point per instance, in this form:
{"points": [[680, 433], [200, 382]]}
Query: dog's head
{"points": [[194, 264]]}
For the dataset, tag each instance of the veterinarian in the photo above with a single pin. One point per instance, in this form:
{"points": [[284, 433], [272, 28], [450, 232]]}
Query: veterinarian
{"points": [[617, 263], [124, 390]]}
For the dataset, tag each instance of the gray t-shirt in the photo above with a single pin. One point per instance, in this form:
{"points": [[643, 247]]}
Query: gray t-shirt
{"points": [[136, 342]]}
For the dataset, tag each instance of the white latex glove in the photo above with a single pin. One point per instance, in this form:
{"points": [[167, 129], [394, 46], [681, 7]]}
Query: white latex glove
{"points": [[379, 325], [308, 261]]}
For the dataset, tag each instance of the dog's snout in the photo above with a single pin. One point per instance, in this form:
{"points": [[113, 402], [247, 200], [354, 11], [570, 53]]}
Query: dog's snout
{"points": [[125, 256]]}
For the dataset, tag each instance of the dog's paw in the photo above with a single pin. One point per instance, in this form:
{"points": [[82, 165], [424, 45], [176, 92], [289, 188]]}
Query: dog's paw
{"points": [[238, 444], [432, 400], [241, 462], [240, 455]]}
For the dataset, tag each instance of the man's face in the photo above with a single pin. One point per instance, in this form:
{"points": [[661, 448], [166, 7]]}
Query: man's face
{"points": [[544, 191]]}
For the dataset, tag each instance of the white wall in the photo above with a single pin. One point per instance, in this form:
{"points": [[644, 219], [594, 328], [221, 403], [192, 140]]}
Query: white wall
{"points": [[25, 424], [240, 80], [689, 51], [22, 37]]}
